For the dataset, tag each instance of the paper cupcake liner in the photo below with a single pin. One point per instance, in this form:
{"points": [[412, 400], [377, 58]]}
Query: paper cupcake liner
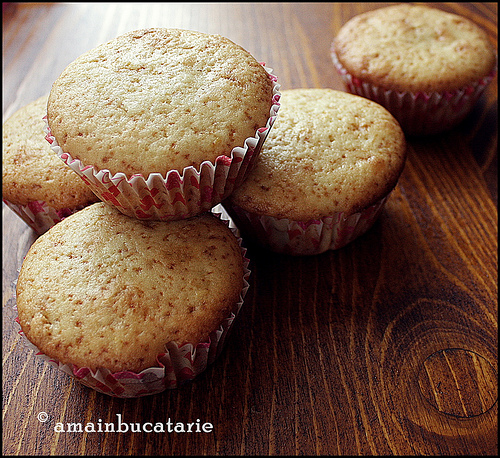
{"points": [[300, 238], [175, 196], [179, 363], [419, 113], [39, 215]]}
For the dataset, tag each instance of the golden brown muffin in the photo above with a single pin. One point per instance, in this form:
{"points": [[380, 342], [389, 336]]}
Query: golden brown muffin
{"points": [[414, 48], [426, 66], [102, 290], [156, 100], [328, 152], [31, 171], [323, 174]]}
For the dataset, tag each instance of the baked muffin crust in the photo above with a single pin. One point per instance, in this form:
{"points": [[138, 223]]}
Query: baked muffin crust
{"points": [[155, 100], [329, 151], [31, 171], [414, 48], [101, 289]]}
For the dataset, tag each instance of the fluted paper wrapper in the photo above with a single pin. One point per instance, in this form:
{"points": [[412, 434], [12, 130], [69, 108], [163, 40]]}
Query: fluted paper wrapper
{"points": [[39, 215], [419, 113], [176, 195], [179, 363], [311, 237]]}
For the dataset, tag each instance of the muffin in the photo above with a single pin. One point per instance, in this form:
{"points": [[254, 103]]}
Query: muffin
{"points": [[36, 184], [323, 174], [426, 66], [131, 307], [162, 123]]}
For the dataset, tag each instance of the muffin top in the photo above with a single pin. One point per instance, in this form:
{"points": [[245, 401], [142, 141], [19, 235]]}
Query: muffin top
{"points": [[414, 48], [31, 171], [156, 100], [328, 151], [101, 289]]}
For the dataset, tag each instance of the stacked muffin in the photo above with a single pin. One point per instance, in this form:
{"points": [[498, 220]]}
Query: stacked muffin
{"points": [[162, 123], [138, 293]]}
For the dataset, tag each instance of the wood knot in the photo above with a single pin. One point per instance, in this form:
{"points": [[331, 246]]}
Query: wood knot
{"points": [[458, 382]]}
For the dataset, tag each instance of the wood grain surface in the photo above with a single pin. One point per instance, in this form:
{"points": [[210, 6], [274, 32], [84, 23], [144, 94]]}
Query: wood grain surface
{"points": [[385, 347]]}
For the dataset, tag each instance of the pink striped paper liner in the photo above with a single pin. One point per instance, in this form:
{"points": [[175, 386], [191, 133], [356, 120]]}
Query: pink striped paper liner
{"points": [[419, 113], [300, 238], [40, 216]]}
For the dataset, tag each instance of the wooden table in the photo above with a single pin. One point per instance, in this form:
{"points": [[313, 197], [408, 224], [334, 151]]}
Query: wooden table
{"points": [[387, 346]]}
